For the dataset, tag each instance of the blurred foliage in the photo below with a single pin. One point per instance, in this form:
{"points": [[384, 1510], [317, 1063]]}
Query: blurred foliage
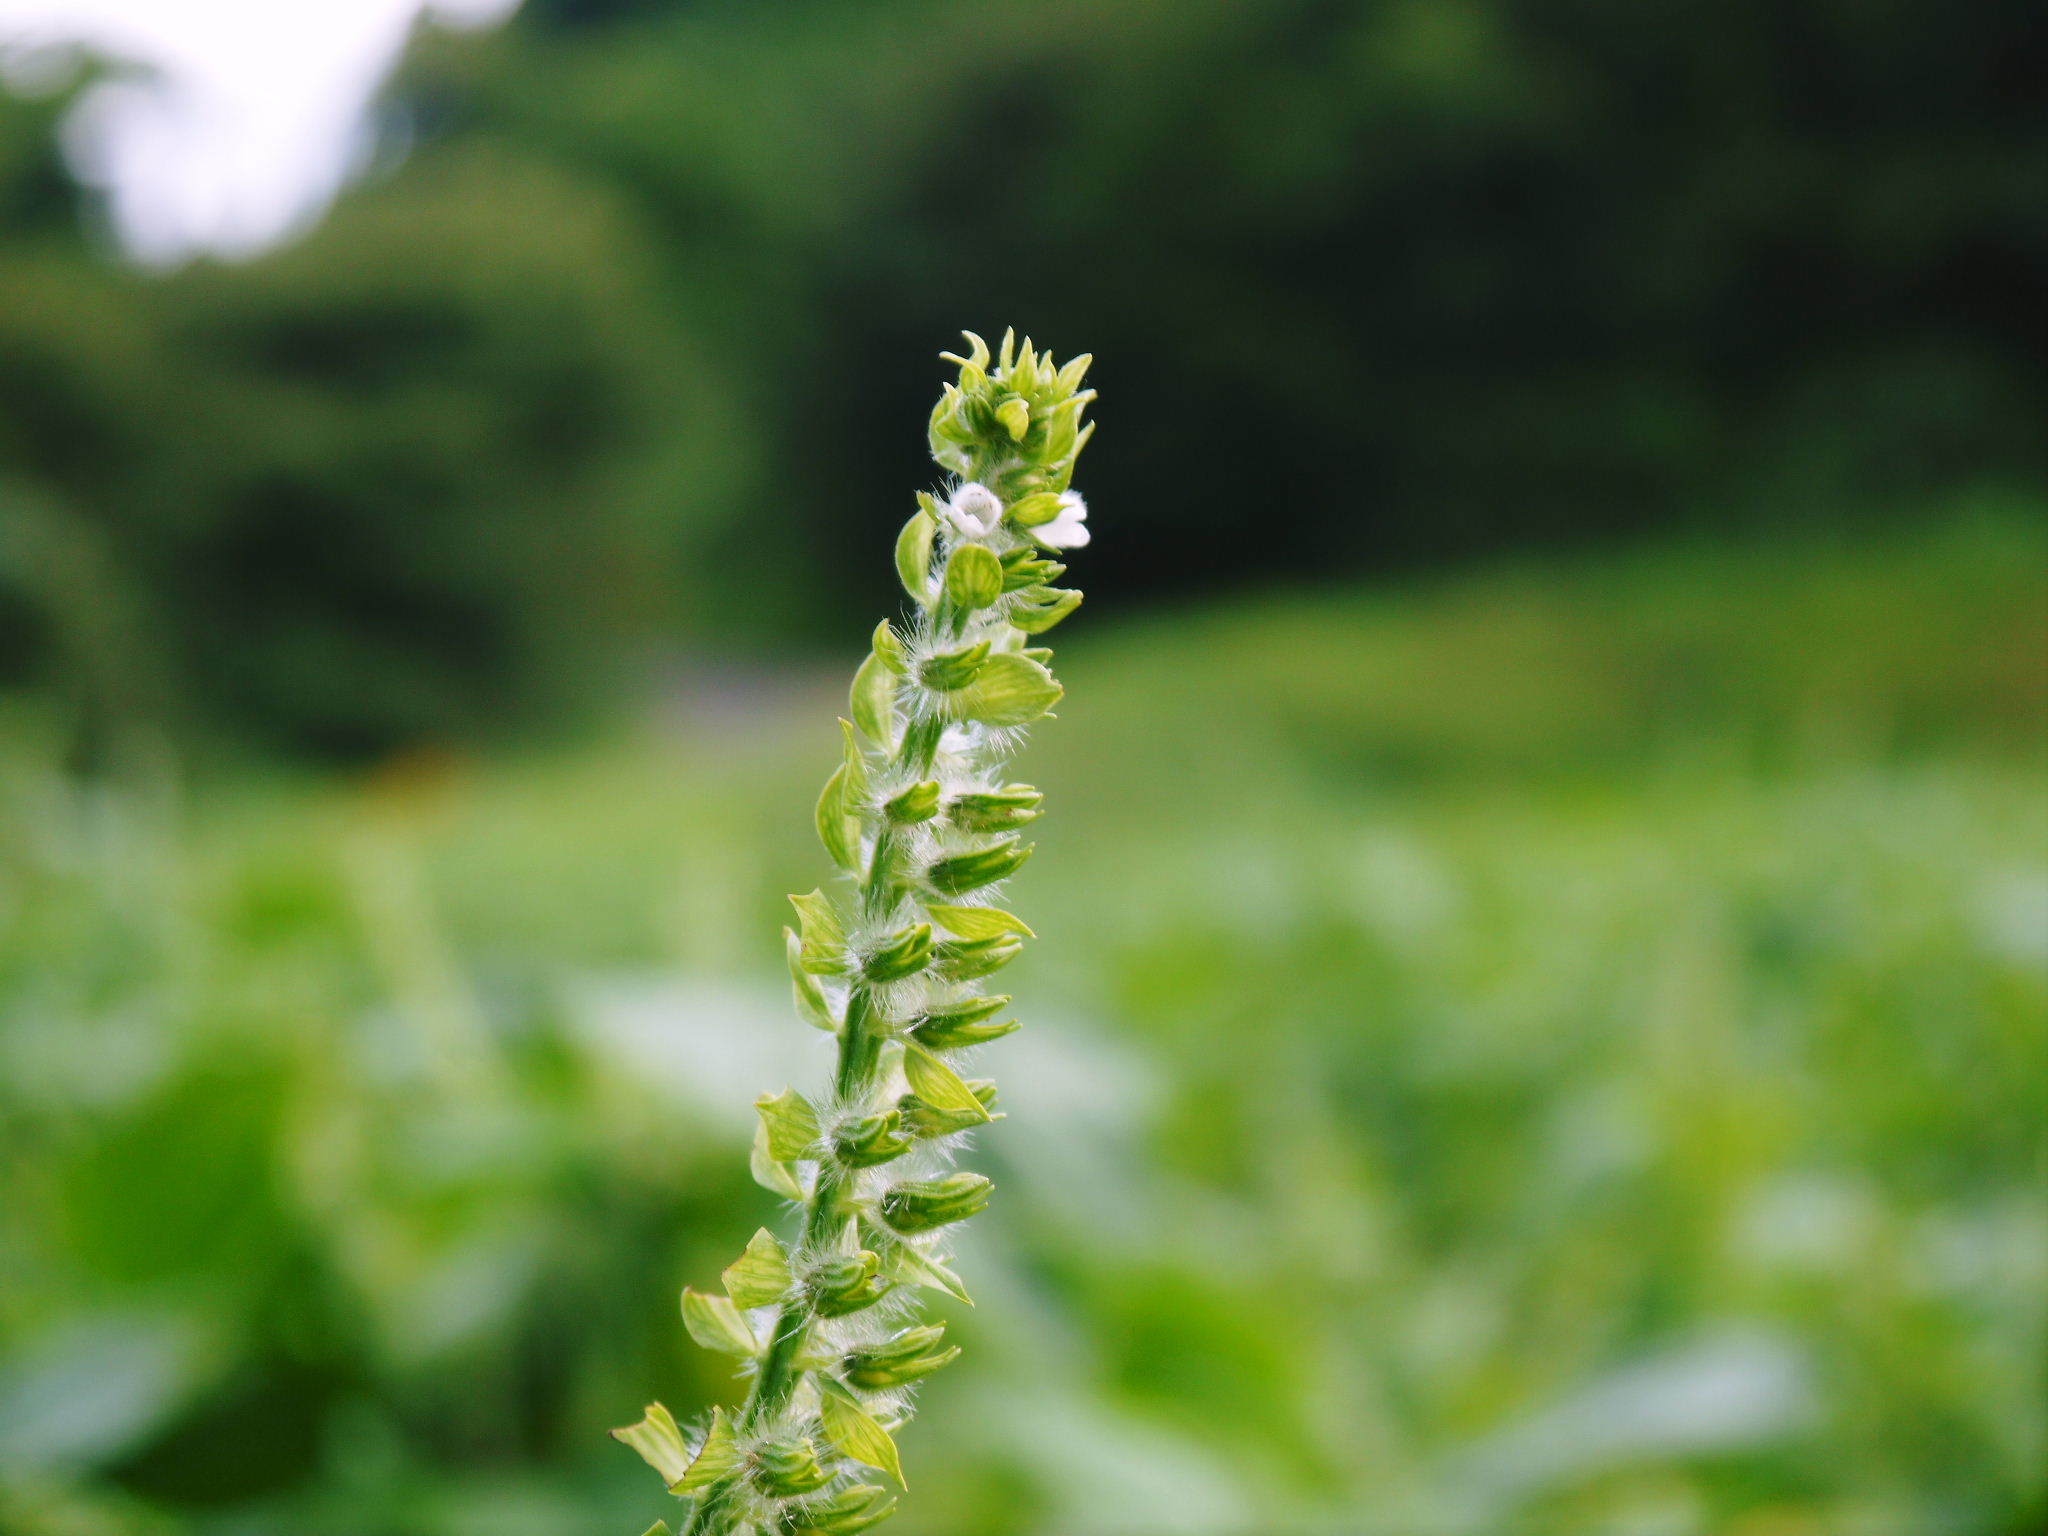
{"points": [[1398, 282], [1566, 1059]]}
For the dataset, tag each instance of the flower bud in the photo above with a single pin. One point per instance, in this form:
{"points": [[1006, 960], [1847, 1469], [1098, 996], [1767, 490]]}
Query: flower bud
{"points": [[903, 955], [848, 1512], [954, 669], [1014, 806], [785, 1468], [1036, 612], [969, 959], [920, 1205], [871, 1140], [1038, 507], [913, 1353], [1015, 415], [918, 803], [966, 872], [955, 1029], [1022, 571], [841, 1286], [974, 510]]}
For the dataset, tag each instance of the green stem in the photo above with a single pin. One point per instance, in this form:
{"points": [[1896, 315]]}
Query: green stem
{"points": [[860, 1055]]}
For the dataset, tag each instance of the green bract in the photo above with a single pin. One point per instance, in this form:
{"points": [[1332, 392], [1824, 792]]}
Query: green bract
{"points": [[919, 818]]}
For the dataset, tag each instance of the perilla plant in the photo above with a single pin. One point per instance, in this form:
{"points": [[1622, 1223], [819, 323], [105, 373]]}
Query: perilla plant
{"points": [[894, 961]]}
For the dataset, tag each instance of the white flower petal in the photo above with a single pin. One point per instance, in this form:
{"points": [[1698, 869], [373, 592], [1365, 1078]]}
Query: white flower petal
{"points": [[974, 509], [1070, 529]]}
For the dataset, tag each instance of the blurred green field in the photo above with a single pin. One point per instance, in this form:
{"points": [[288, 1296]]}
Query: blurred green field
{"points": [[1558, 1050]]}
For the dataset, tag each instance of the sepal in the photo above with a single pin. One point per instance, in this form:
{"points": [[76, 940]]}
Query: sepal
{"points": [[974, 577]]}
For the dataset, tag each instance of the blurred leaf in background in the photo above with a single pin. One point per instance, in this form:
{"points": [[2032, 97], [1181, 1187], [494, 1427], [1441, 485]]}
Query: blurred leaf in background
{"points": [[1567, 1059], [1436, 279]]}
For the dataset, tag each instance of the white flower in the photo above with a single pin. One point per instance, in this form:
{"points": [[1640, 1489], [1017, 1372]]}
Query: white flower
{"points": [[1069, 530], [974, 510]]}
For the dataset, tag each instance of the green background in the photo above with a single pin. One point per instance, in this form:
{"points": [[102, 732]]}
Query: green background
{"points": [[1542, 1005]]}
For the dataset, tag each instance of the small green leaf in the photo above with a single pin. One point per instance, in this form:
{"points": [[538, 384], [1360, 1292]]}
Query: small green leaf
{"points": [[873, 701], [974, 576], [759, 1276], [715, 1323], [823, 938], [854, 1431], [939, 1085], [856, 765], [659, 1528], [1008, 690], [914, 552], [888, 645], [915, 1267], [980, 922], [772, 1176], [811, 1003], [721, 1454], [838, 831], [791, 1124], [659, 1443]]}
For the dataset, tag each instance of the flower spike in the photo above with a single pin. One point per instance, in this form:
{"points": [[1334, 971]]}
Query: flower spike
{"points": [[923, 824]]}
